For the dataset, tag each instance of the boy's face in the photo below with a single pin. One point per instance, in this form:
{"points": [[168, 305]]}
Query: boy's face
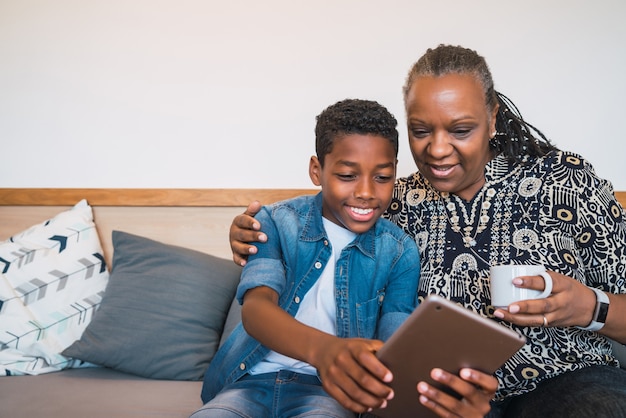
{"points": [[357, 180]]}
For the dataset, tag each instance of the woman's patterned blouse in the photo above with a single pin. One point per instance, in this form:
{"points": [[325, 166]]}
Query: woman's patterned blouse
{"points": [[552, 210]]}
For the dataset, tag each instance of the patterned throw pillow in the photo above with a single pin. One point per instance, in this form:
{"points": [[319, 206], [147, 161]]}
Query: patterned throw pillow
{"points": [[52, 278]]}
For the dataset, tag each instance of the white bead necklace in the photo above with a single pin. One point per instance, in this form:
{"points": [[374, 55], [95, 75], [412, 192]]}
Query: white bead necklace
{"points": [[469, 239]]}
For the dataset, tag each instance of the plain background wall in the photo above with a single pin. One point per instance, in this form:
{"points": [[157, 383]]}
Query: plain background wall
{"points": [[208, 94]]}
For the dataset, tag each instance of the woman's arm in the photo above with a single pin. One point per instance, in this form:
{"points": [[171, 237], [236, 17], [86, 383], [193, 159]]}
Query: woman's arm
{"points": [[600, 236]]}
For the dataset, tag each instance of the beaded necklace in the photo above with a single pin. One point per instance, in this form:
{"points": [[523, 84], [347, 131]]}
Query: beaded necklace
{"points": [[469, 220]]}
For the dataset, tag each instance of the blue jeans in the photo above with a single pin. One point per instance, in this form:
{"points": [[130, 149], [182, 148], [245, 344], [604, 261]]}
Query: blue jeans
{"points": [[283, 394], [597, 391]]}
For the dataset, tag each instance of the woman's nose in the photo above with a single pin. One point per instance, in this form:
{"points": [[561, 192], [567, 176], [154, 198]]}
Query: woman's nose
{"points": [[439, 145]]}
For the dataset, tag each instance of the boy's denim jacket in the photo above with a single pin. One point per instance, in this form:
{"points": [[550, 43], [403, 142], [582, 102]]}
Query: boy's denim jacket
{"points": [[376, 279]]}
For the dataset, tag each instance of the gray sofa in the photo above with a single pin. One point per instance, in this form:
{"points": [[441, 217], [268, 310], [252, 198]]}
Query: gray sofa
{"points": [[165, 312], [101, 392]]}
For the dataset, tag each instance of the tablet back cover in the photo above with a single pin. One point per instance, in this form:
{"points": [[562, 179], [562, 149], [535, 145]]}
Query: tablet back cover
{"points": [[443, 334]]}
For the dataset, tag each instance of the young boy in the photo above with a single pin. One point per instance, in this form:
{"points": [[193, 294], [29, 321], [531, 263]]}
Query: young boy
{"points": [[332, 281]]}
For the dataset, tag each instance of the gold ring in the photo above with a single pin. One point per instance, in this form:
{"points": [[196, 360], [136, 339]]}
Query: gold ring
{"points": [[545, 321]]}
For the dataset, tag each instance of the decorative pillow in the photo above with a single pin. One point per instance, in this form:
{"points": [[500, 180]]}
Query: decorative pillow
{"points": [[52, 277], [163, 311]]}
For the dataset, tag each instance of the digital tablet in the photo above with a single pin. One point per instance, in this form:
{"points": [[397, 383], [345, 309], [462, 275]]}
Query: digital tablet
{"points": [[442, 334]]}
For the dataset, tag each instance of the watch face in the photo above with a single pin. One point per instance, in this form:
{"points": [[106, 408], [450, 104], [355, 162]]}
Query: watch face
{"points": [[602, 311]]}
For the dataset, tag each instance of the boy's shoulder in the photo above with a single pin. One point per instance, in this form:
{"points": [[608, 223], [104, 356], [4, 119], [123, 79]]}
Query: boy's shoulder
{"points": [[295, 201], [302, 203], [385, 226], [299, 207]]}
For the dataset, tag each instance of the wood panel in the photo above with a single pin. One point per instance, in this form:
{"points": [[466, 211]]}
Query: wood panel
{"points": [[145, 197], [621, 196], [192, 218], [157, 197], [200, 228]]}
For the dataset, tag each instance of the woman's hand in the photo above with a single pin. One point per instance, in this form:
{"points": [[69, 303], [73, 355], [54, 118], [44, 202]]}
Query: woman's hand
{"points": [[570, 304], [244, 230], [477, 389]]}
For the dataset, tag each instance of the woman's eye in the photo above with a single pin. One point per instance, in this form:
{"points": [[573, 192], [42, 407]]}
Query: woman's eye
{"points": [[461, 132], [419, 133]]}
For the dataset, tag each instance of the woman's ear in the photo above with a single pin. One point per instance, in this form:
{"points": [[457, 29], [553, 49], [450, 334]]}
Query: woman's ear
{"points": [[315, 171]]}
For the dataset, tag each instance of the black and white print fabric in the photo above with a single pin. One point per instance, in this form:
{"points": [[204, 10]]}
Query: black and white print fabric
{"points": [[553, 211]]}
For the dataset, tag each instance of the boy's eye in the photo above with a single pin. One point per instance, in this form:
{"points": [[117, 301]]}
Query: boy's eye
{"points": [[384, 179], [346, 177]]}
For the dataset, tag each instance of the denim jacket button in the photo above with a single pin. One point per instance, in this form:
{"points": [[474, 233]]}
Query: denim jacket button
{"points": [[318, 265], [242, 366], [297, 299]]}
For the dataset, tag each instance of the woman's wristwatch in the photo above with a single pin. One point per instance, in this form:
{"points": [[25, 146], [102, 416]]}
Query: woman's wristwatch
{"points": [[600, 313]]}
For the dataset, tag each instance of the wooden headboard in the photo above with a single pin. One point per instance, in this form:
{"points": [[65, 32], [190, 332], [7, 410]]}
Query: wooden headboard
{"points": [[192, 218]]}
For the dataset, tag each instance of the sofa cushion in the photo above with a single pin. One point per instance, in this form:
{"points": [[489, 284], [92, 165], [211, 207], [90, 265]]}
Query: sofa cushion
{"points": [[97, 392], [163, 311], [52, 277]]}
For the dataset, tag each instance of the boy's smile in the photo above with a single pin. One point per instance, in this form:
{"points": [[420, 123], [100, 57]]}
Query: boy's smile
{"points": [[357, 180]]}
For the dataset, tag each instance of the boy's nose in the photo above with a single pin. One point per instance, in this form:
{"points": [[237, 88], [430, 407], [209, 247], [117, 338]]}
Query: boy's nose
{"points": [[365, 189]]}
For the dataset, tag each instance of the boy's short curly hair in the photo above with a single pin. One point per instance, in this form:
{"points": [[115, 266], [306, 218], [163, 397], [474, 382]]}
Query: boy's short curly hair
{"points": [[353, 116]]}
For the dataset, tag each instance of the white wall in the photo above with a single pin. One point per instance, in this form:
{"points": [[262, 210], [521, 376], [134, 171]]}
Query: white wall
{"points": [[221, 94]]}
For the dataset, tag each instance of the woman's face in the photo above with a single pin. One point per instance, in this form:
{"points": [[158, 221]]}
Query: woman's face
{"points": [[449, 128]]}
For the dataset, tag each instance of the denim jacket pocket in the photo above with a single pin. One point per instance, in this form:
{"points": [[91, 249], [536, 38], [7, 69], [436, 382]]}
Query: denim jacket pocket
{"points": [[367, 314]]}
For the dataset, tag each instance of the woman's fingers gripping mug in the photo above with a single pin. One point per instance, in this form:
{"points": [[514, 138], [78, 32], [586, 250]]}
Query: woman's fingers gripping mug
{"points": [[504, 292]]}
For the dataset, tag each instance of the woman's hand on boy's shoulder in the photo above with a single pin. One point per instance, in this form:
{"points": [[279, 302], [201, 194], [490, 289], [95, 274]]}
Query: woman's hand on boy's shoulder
{"points": [[243, 230]]}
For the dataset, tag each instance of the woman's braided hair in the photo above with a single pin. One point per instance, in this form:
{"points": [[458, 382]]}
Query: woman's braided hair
{"points": [[515, 137]]}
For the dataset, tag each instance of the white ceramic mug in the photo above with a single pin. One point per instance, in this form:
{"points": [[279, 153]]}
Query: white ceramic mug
{"points": [[504, 292]]}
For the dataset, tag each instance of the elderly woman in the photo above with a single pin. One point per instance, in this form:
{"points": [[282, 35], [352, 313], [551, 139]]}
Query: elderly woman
{"points": [[491, 189]]}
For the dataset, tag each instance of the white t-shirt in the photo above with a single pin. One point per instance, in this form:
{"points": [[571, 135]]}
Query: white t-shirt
{"points": [[318, 307]]}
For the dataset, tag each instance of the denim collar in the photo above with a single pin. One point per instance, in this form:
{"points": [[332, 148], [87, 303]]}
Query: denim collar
{"points": [[314, 229]]}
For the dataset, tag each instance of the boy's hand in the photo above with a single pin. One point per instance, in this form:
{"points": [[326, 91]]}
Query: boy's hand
{"points": [[352, 374]]}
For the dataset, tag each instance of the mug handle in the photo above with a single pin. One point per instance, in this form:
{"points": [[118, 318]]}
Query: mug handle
{"points": [[547, 279]]}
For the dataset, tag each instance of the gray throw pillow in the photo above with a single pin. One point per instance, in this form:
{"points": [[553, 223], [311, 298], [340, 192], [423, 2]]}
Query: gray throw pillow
{"points": [[162, 313]]}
